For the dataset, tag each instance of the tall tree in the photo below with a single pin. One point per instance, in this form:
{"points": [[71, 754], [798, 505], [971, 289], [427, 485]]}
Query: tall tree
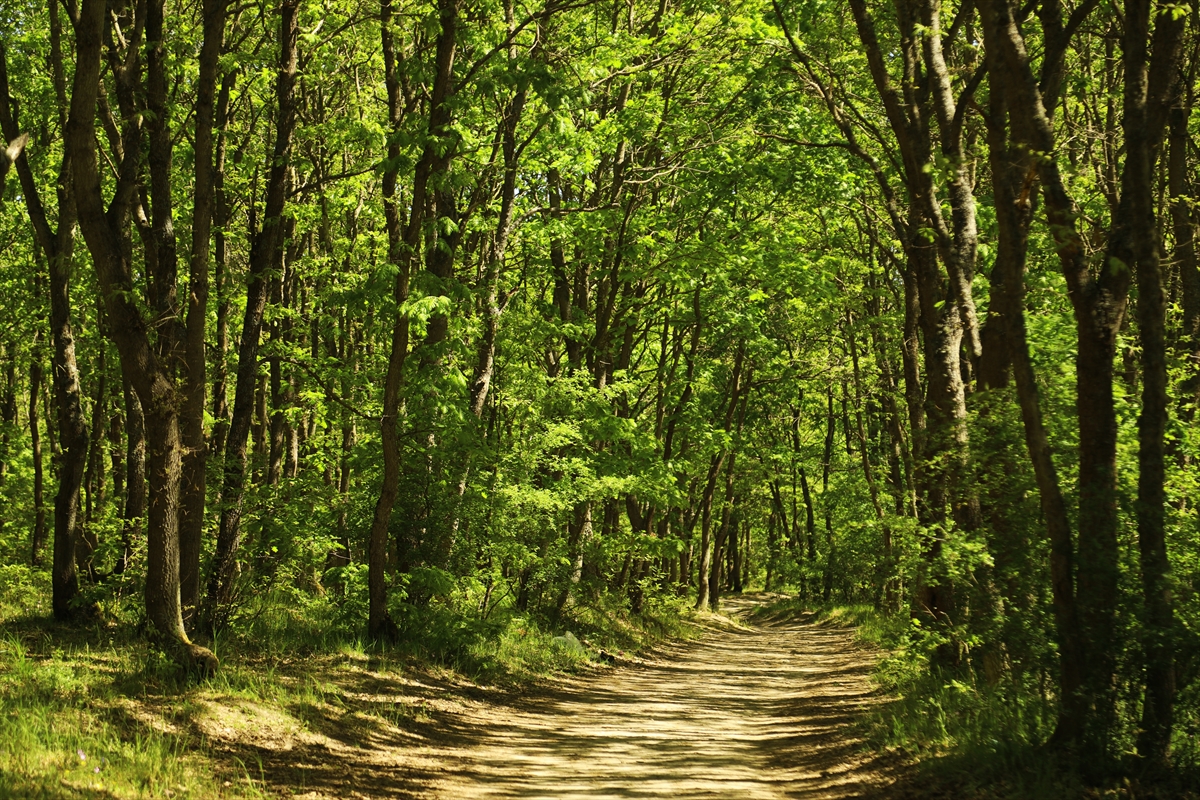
{"points": [[265, 253], [57, 241], [106, 231]]}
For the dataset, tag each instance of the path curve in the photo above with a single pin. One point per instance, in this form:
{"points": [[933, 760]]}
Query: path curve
{"points": [[755, 713]]}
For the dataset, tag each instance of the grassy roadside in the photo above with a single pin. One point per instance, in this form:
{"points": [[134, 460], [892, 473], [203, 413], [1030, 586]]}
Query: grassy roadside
{"points": [[977, 734], [91, 711]]}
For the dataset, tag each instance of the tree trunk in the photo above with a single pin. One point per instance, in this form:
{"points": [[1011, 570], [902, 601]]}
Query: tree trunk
{"points": [[945, 310], [735, 391], [263, 255], [485, 358], [826, 503], [1098, 301], [38, 539], [1013, 178], [723, 536], [8, 406], [220, 221], [93, 476], [885, 584], [195, 452], [737, 553], [116, 442], [808, 551], [58, 246], [1144, 123], [134, 513], [106, 233], [1184, 224]]}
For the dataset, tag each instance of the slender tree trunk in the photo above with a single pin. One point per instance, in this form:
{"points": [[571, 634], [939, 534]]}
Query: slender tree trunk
{"points": [[106, 233], [1184, 223], [93, 476], [885, 584], [8, 406], [220, 222], [1013, 178], [38, 539], [263, 254], [195, 452], [737, 553], [1098, 301], [116, 443], [134, 513], [899, 457], [807, 550], [278, 422], [1143, 141], [826, 502], [58, 246], [703, 589], [485, 359], [261, 426], [944, 307], [402, 252], [1154, 740], [723, 536], [706, 503]]}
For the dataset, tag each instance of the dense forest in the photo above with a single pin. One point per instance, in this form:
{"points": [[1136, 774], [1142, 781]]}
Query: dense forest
{"points": [[412, 319]]}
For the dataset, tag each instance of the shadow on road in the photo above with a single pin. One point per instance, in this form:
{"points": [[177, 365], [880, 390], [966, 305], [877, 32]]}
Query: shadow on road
{"points": [[749, 713]]}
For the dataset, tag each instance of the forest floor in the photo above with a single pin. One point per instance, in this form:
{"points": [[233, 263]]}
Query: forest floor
{"points": [[748, 712], [728, 710]]}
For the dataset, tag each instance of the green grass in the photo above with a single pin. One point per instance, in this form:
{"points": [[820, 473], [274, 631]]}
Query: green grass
{"points": [[969, 737], [92, 711], [72, 725], [872, 627]]}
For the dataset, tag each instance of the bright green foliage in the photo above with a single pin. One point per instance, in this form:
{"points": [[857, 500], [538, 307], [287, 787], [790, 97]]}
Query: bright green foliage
{"points": [[694, 325]]}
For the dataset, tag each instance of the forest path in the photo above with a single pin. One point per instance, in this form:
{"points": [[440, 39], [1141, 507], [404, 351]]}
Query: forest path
{"points": [[751, 712]]}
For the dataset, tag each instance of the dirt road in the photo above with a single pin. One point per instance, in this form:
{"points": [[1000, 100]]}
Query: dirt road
{"points": [[755, 713]]}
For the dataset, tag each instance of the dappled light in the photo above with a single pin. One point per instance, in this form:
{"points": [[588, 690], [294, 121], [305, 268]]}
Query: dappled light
{"points": [[760, 713], [411, 398]]}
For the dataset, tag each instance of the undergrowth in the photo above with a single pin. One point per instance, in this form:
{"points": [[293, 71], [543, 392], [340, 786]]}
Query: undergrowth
{"points": [[978, 732], [91, 710]]}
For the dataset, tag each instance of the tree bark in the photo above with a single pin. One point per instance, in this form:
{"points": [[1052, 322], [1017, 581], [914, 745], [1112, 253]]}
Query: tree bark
{"points": [[1183, 222], [264, 250], [58, 246], [134, 512], [8, 406], [93, 476], [1098, 302], [723, 536], [706, 503], [220, 222], [380, 624], [106, 234], [195, 452], [809, 548], [736, 387], [37, 546], [1014, 174], [1145, 116], [485, 358], [826, 503], [942, 307]]}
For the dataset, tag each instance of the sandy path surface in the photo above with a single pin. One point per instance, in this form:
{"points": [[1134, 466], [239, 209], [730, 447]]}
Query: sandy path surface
{"points": [[756, 713]]}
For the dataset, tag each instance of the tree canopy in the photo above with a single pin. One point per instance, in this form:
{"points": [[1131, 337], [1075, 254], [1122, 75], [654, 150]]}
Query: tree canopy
{"points": [[403, 314]]}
